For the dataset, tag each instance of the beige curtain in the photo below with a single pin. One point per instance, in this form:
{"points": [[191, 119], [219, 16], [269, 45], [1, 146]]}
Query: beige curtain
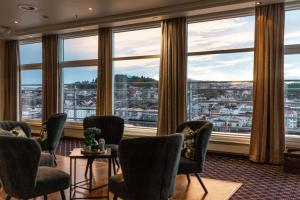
{"points": [[11, 80], [51, 76], [104, 83], [2, 56], [172, 77], [267, 138]]}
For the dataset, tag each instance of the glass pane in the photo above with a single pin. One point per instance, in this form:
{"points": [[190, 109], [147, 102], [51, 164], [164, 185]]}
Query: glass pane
{"points": [[31, 94], [79, 92], [137, 43], [292, 94], [292, 27], [82, 48], [222, 34], [219, 89], [136, 91], [31, 53]]}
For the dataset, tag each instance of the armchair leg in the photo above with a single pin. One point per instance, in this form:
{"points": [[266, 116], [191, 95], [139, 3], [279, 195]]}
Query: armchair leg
{"points": [[200, 181], [54, 157], [114, 165], [188, 177], [8, 198], [62, 194], [45, 197], [118, 164]]}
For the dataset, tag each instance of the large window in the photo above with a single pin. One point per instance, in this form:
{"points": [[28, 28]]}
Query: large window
{"points": [[292, 72], [220, 73], [136, 75], [31, 80], [79, 76]]}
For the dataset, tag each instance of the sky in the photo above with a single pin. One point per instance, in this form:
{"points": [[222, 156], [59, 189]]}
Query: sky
{"points": [[202, 36]]}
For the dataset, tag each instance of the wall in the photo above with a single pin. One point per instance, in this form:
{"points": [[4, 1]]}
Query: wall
{"points": [[2, 52]]}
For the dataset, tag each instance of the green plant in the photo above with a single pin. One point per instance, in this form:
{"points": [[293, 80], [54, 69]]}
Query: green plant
{"points": [[90, 134]]}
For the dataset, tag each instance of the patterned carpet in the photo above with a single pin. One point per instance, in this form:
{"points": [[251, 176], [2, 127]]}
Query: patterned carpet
{"points": [[259, 181]]}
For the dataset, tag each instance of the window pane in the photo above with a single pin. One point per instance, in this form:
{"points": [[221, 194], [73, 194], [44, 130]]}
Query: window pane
{"points": [[219, 89], [292, 94], [222, 34], [31, 53], [31, 94], [79, 92], [137, 43], [82, 48], [292, 27], [136, 91]]}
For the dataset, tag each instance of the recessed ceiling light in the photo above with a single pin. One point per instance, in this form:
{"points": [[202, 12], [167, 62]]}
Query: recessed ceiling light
{"points": [[27, 7], [30, 36], [82, 28], [16, 22], [258, 3], [90, 9]]}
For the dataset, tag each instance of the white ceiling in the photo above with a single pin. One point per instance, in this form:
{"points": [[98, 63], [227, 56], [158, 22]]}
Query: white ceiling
{"points": [[62, 13]]}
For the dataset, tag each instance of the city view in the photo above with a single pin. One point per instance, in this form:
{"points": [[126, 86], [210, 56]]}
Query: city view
{"points": [[227, 104]]}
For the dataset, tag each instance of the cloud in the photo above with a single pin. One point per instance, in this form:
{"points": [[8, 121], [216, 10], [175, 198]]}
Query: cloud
{"points": [[140, 42], [81, 48], [221, 34], [226, 67]]}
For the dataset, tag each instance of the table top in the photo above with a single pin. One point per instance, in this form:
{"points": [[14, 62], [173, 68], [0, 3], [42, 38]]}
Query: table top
{"points": [[76, 153]]}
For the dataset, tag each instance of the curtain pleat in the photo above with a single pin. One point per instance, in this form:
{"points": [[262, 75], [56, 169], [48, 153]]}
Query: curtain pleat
{"points": [[2, 76], [51, 76], [172, 77], [104, 81], [268, 137], [11, 80]]}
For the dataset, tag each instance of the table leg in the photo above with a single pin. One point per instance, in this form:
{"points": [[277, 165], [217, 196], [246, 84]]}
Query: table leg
{"points": [[109, 175], [70, 197], [74, 184], [91, 176]]}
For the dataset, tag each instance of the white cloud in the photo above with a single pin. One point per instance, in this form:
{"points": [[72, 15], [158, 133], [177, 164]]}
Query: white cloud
{"points": [[221, 34]]}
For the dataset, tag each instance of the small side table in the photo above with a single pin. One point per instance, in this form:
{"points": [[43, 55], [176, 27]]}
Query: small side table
{"points": [[76, 154]]}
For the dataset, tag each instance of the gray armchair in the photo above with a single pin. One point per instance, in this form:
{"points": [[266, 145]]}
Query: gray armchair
{"points": [[27, 180], [45, 159], [54, 127], [195, 166], [112, 128], [149, 167]]}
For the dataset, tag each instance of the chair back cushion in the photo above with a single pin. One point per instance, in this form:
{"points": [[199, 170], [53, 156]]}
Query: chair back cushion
{"points": [[19, 158], [10, 125], [54, 126], [150, 165], [112, 127], [202, 131]]}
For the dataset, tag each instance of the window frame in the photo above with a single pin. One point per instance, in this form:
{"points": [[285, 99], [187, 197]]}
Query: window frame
{"points": [[133, 130], [73, 64], [292, 49], [24, 67], [220, 16]]}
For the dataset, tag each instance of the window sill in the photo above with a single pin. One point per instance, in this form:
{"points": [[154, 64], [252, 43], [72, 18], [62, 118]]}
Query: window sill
{"points": [[219, 142]]}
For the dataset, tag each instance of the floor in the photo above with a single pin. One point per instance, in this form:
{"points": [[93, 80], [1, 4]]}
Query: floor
{"points": [[259, 181]]}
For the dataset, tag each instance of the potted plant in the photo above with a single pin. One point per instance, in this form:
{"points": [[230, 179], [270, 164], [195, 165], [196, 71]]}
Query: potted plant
{"points": [[90, 135]]}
